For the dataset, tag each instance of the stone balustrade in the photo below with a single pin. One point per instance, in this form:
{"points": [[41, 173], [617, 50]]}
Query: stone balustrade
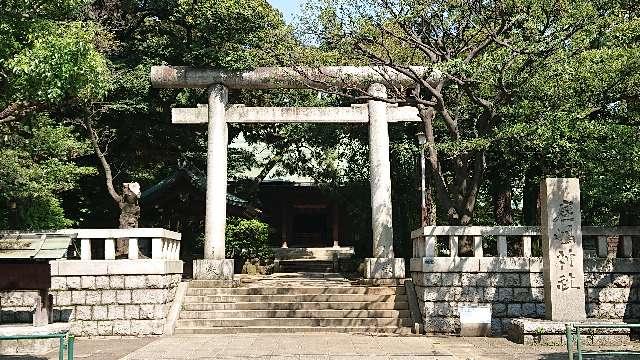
{"points": [[425, 239], [165, 244], [104, 296], [514, 285]]}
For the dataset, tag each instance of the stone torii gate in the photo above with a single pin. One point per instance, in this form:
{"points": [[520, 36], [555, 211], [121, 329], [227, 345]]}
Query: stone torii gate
{"points": [[217, 113]]}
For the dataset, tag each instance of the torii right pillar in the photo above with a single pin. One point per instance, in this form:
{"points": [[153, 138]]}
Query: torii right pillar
{"points": [[383, 264]]}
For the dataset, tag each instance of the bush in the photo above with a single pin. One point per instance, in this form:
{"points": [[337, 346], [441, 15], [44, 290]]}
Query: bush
{"points": [[247, 239]]}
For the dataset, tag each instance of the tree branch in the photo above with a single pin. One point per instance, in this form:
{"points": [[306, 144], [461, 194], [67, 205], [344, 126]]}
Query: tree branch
{"points": [[103, 161]]}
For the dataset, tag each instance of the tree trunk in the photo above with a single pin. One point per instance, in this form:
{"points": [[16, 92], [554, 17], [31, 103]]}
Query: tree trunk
{"points": [[129, 213], [429, 215], [12, 215], [127, 202], [428, 212], [530, 199], [501, 196]]}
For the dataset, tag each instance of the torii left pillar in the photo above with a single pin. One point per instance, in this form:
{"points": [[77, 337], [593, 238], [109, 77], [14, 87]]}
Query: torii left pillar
{"points": [[383, 264], [214, 265]]}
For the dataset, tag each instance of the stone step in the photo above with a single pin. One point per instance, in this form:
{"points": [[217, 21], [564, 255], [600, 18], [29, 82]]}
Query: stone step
{"points": [[316, 314], [307, 265], [289, 322], [326, 305], [354, 290], [294, 298], [295, 329]]}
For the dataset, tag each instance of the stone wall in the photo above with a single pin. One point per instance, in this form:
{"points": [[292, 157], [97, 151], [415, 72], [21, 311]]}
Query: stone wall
{"points": [[514, 288], [17, 306], [613, 289], [102, 305]]}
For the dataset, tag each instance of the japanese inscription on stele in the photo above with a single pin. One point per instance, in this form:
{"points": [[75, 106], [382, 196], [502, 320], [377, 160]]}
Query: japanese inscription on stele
{"points": [[562, 250]]}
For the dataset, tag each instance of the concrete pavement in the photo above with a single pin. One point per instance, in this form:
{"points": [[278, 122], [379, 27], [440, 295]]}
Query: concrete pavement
{"points": [[326, 346]]}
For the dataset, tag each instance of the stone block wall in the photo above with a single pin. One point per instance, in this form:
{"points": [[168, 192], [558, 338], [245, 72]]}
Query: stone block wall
{"points": [[101, 305], [514, 288], [115, 304], [512, 291], [613, 289], [17, 306]]}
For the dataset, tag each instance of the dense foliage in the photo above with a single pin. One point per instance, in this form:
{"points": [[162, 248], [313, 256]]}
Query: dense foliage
{"points": [[519, 90], [49, 63], [526, 89], [246, 240]]}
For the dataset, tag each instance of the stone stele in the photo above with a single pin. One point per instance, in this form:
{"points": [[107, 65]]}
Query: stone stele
{"points": [[562, 250]]}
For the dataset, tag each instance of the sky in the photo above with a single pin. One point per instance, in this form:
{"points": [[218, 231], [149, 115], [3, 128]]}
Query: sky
{"points": [[287, 7]]}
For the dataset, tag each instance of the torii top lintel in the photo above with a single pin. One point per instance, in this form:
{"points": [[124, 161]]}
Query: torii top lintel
{"points": [[285, 77]]}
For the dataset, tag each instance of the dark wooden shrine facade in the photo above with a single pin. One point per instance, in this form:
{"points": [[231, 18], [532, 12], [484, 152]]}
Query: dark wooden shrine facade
{"points": [[303, 215]]}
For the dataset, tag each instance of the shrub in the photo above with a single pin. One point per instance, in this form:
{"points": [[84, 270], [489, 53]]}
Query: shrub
{"points": [[247, 239]]}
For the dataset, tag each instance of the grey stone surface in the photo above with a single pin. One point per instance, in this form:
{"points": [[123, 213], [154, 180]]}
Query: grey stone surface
{"points": [[93, 297], [78, 297], [102, 282], [134, 282], [213, 269], [108, 297], [562, 250], [384, 268], [545, 332], [16, 348], [123, 296], [380, 176], [215, 205], [104, 300], [116, 282]]}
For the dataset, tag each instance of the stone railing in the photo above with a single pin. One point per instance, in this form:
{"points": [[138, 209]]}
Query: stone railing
{"points": [[625, 236], [165, 244], [514, 285], [100, 295], [425, 239]]}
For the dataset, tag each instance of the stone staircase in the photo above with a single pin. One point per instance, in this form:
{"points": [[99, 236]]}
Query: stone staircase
{"points": [[306, 265], [286, 303]]}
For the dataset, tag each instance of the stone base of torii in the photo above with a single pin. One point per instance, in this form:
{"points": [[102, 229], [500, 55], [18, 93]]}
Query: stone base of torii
{"points": [[377, 113]]}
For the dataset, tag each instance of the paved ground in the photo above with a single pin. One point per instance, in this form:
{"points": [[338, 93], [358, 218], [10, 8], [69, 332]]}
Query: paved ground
{"points": [[311, 346]]}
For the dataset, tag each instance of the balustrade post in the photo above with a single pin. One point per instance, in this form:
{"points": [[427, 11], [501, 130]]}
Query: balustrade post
{"points": [[453, 245], [165, 248], [603, 250], [526, 246], [627, 246], [110, 249], [133, 248], [430, 246], [174, 250], [478, 251], [502, 246], [85, 249], [156, 248]]}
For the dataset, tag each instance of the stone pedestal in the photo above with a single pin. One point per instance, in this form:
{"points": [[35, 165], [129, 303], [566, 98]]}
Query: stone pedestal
{"points": [[213, 269], [384, 268], [544, 332], [564, 294]]}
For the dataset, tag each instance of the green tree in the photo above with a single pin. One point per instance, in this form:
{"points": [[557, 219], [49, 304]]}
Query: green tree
{"points": [[496, 65], [49, 64]]}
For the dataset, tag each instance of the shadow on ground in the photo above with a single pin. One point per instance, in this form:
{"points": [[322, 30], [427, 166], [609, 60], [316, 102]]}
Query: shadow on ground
{"points": [[603, 356]]}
